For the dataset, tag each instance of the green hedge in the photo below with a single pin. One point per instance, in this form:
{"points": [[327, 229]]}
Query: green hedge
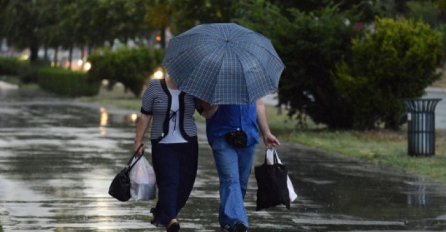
{"points": [[130, 66], [11, 66], [67, 83], [26, 71]]}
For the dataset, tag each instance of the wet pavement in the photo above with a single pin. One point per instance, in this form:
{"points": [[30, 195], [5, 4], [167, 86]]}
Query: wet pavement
{"points": [[58, 156]]}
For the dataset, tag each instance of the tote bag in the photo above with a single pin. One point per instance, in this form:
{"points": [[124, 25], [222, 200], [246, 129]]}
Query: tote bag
{"points": [[272, 184], [270, 153]]}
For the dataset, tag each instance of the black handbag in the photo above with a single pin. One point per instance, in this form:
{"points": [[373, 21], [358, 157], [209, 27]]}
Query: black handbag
{"points": [[120, 186], [272, 185]]}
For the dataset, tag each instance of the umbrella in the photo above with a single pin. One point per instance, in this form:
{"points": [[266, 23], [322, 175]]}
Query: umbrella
{"points": [[223, 63]]}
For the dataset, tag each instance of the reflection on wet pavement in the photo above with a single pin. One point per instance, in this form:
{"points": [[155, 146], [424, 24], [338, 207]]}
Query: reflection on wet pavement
{"points": [[57, 158]]}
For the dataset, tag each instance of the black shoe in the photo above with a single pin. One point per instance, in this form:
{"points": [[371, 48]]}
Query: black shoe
{"points": [[174, 227], [225, 229], [239, 227], [155, 220]]}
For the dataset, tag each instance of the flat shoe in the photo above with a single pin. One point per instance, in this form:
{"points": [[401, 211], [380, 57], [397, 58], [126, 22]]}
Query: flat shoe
{"points": [[239, 227], [174, 227]]}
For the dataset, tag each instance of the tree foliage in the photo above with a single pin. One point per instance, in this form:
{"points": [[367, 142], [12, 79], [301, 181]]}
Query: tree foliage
{"points": [[23, 24], [69, 23], [3, 5], [396, 61], [335, 85], [310, 44], [192, 12], [427, 12]]}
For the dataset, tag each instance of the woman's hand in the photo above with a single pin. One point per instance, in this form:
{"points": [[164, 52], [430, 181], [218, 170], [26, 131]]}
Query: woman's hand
{"points": [[138, 149], [270, 141], [208, 110]]}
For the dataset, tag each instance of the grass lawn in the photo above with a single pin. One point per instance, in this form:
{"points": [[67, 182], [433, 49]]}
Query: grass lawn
{"points": [[382, 147]]}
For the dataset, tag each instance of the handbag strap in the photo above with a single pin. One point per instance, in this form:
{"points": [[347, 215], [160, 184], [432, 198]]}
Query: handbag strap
{"points": [[275, 161], [131, 159]]}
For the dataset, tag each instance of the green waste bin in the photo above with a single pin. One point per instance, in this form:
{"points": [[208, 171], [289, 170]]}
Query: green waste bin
{"points": [[421, 126]]}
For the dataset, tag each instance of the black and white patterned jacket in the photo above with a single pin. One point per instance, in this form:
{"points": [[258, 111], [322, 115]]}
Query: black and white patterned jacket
{"points": [[157, 102]]}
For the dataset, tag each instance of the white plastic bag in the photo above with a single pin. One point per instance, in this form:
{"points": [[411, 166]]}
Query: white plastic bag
{"points": [[270, 160], [142, 180]]}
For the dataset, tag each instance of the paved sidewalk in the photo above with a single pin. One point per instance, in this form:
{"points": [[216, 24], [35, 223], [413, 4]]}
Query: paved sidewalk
{"points": [[6, 86]]}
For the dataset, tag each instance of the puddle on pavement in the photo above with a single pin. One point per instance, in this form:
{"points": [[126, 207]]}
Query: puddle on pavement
{"points": [[57, 158]]}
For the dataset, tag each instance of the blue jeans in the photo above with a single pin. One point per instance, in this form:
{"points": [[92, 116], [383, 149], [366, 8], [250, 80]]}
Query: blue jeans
{"points": [[233, 167]]}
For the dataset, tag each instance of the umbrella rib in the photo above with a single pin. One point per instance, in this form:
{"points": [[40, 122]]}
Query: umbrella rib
{"points": [[221, 64], [219, 68], [264, 48], [212, 36], [261, 66], [245, 79]]}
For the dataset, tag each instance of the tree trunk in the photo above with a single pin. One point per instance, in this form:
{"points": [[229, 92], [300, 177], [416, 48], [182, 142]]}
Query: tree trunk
{"points": [[56, 57], [89, 50], [163, 38], [83, 52], [34, 50], [70, 57], [45, 52], [83, 56]]}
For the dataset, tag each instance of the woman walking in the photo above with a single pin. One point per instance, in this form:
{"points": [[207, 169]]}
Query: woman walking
{"points": [[169, 112]]}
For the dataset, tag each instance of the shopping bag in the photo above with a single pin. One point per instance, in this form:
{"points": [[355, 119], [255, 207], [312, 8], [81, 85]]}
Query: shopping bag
{"points": [[272, 184], [270, 160], [142, 181], [120, 185]]}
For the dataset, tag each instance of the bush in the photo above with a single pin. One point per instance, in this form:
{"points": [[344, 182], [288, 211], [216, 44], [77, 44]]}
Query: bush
{"points": [[11, 66], [26, 71], [396, 61], [67, 83], [131, 67]]}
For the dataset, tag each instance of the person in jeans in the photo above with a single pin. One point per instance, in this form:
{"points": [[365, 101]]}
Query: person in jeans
{"points": [[232, 132], [169, 112]]}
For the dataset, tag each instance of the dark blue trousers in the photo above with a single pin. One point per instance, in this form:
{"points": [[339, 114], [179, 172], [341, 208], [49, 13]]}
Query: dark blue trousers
{"points": [[175, 168]]}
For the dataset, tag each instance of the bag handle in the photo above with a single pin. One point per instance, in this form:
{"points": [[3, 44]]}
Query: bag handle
{"points": [[131, 159], [275, 161]]}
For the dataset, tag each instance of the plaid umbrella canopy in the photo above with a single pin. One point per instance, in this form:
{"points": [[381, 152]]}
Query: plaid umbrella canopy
{"points": [[223, 63]]}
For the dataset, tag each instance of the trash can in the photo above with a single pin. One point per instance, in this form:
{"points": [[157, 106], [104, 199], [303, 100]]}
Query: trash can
{"points": [[421, 126]]}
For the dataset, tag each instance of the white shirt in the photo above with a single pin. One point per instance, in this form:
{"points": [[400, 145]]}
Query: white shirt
{"points": [[174, 134]]}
